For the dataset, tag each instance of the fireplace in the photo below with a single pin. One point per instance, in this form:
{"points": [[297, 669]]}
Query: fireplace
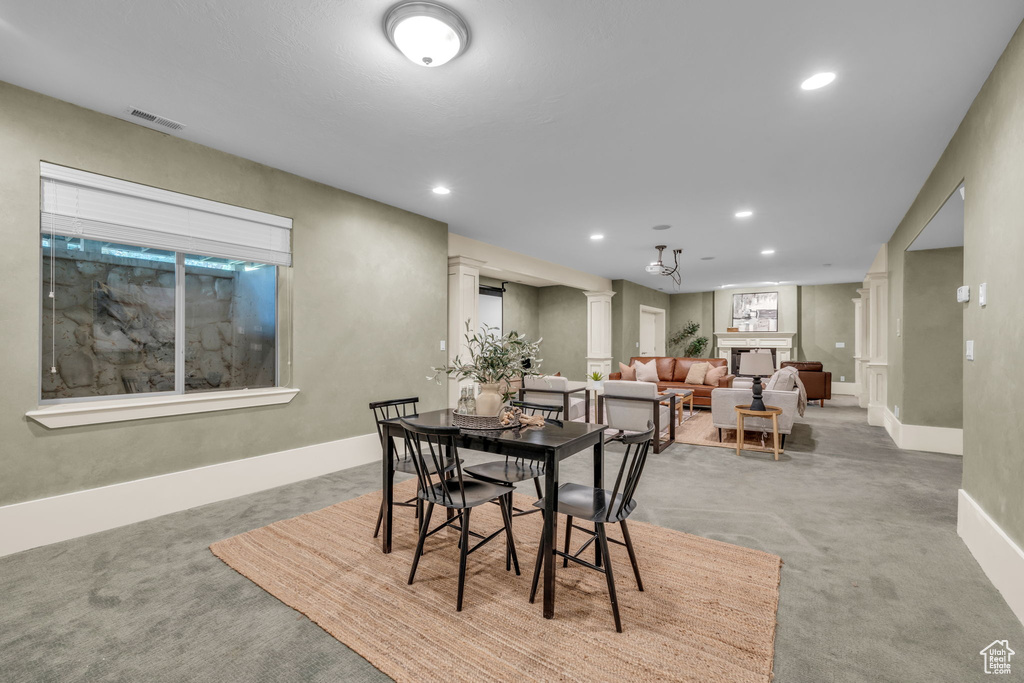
{"points": [[734, 359]]}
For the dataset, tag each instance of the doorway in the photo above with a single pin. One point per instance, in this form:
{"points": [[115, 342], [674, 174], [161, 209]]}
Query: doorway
{"points": [[652, 331]]}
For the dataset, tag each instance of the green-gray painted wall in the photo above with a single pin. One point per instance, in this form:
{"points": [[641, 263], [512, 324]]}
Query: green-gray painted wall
{"points": [[987, 154], [563, 325], [933, 325], [698, 307], [826, 317], [351, 317], [626, 303], [520, 310]]}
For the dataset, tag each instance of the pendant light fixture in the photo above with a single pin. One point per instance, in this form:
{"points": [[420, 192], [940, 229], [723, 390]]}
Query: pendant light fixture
{"points": [[428, 33]]}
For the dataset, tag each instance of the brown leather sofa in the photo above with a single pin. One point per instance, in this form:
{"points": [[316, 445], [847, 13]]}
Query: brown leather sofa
{"points": [[817, 382], [672, 375]]}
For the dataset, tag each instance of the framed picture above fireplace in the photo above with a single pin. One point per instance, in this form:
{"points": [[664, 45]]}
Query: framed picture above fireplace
{"points": [[756, 311]]}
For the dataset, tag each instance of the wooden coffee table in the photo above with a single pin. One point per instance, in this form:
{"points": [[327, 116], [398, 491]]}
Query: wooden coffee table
{"points": [[745, 411], [681, 395]]}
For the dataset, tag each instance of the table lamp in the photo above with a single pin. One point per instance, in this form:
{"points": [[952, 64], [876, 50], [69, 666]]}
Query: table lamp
{"points": [[758, 365]]}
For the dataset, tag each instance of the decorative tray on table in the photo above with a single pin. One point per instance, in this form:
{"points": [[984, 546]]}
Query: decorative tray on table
{"points": [[506, 419]]}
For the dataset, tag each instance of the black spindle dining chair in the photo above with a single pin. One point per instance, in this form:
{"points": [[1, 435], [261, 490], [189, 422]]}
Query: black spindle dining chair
{"points": [[390, 410], [513, 470], [602, 507], [431, 447]]}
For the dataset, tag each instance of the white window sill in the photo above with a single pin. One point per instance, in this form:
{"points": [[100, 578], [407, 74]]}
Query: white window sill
{"points": [[120, 410]]}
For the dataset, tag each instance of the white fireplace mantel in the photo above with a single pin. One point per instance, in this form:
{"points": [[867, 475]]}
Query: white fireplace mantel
{"points": [[782, 342]]}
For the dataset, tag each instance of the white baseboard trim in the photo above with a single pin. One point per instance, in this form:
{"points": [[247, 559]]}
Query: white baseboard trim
{"points": [[49, 520], [920, 438], [846, 388], [1000, 558], [876, 417]]}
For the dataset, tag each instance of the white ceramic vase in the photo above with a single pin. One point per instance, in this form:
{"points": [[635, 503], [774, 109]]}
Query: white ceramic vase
{"points": [[489, 400]]}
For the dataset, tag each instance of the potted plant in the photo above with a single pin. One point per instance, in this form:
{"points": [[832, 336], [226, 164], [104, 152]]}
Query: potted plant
{"points": [[596, 380], [494, 362]]}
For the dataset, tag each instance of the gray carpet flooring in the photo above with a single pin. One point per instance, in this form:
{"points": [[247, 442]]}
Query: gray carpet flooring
{"points": [[876, 584]]}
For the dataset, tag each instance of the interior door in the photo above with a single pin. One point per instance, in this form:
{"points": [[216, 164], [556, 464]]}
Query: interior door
{"points": [[648, 331]]}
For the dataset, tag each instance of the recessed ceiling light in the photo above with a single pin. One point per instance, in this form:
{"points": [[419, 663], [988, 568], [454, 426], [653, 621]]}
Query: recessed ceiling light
{"points": [[707, 258], [827, 265], [818, 80], [661, 227], [441, 189], [744, 214], [427, 33], [767, 252], [724, 286], [597, 237]]}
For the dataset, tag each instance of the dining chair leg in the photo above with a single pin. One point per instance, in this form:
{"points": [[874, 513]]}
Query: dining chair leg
{"points": [[537, 566], [510, 544], [536, 483], [462, 557], [568, 533], [424, 525], [603, 540], [632, 555], [380, 518]]}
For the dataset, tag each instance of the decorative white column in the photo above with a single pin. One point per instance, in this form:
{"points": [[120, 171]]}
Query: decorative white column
{"points": [[599, 332], [463, 306], [878, 346], [859, 361]]}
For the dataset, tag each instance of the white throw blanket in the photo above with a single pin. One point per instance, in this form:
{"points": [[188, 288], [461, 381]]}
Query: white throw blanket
{"points": [[801, 404]]}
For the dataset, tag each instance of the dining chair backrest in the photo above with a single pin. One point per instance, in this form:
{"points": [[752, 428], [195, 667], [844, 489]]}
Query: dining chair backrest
{"points": [[389, 410], [549, 412], [435, 452], [631, 416], [632, 466]]}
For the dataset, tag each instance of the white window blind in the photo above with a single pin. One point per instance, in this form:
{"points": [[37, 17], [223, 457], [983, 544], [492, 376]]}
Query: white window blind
{"points": [[80, 204]]}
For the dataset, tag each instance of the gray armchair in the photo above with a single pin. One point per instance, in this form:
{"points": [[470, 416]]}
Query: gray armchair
{"points": [[723, 413], [629, 406], [551, 390]]}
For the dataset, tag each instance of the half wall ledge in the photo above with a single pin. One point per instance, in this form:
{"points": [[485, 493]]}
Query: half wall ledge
{"points": [[121, 410]]}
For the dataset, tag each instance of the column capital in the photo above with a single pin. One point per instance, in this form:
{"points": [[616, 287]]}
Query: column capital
{"points": [[598, 294], [465, 261]]}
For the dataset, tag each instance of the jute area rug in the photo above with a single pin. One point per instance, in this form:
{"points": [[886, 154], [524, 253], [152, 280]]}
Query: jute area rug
{"points": [[700, 431], [707, 612]]}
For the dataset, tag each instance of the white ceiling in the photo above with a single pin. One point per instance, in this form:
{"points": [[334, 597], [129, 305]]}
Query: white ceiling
{"points": [[563, 118], [945, 229]]}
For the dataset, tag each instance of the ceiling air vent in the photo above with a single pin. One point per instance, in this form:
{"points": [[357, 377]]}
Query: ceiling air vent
{"points": [[153, 118]]}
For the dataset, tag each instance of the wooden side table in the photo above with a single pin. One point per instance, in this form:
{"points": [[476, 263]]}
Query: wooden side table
{"points": [[745, 411], [681, 396]]}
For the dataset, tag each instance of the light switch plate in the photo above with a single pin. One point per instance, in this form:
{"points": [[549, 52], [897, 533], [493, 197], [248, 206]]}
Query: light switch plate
{"points": [[442, 344], [983, 294], [963, 294], [970, 349], [840, 345]]}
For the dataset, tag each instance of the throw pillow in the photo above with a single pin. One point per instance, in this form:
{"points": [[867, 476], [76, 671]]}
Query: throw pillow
{"points": [[714, 375], [697, 373], [628, 372], [647, 372]]}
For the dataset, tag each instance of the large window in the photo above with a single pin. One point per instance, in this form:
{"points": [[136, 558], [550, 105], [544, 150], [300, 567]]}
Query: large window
{"points": [[174, 307]]}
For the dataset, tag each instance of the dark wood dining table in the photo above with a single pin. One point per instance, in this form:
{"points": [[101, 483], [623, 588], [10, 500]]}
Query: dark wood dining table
{"points": [[551, 444]]}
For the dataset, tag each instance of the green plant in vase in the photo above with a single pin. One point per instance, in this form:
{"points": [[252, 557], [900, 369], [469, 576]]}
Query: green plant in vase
{"points": [[596, 376], [494, 362]]}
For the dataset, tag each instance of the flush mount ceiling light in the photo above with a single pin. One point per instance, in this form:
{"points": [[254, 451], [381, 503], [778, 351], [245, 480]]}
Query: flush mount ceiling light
{"points": [[818, 80], [427, 33], [441, 189], [744, 214], [661, 227]]}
